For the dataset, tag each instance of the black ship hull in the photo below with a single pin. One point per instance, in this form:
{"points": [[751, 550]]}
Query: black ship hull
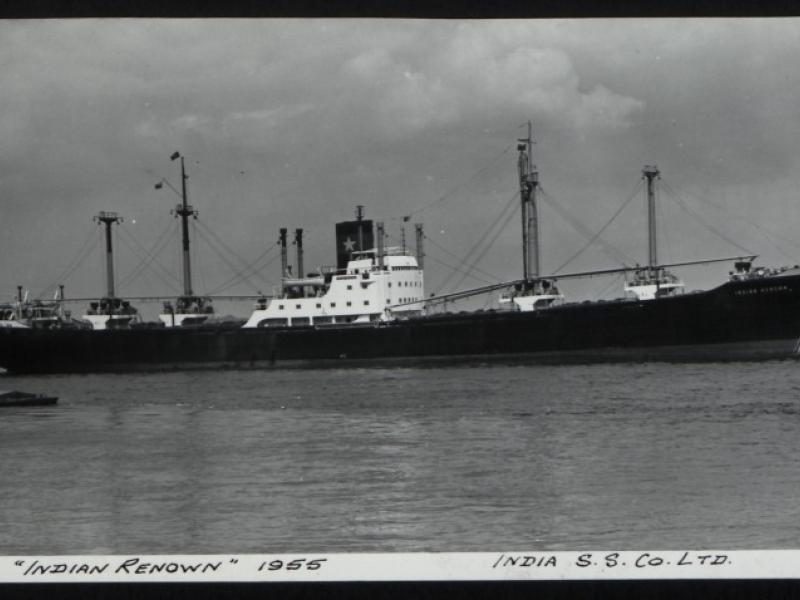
{"points": [[751, 319]]}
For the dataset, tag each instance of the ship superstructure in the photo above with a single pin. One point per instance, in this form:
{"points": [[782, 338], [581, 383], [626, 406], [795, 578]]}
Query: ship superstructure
{"points": [[24, 313], [372, 305], [377, 284]]}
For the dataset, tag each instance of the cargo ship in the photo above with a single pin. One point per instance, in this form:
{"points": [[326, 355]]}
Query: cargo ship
{"points": [[371, 307]]}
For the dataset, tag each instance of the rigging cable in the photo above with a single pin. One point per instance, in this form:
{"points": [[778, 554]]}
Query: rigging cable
{"points": [[663, 233], [168, 279], [92, 238], [462, 185], [195, 258], [254, 267], [453, 255], [221, 243], [702, 221], [764, 231], [504, 211], [592, 238], [448, 265], [615, 281], [510, 216], [149, 258], [230, 265]]}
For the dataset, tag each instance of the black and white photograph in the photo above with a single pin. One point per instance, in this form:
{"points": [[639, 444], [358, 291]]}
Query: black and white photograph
{"points": [[319, 285]]}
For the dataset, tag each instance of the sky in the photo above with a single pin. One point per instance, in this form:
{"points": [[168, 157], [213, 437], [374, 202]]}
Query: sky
{"points": [[292, 123]]}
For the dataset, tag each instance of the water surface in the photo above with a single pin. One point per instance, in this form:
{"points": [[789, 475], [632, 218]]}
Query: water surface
{"points": [[461, 457]]}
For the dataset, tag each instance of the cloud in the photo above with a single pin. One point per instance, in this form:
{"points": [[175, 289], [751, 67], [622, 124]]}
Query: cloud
{"points": [[475, 74], [296, 121]]}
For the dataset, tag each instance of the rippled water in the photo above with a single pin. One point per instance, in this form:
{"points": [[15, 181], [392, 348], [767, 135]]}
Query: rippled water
{"points": [[460, 457]]}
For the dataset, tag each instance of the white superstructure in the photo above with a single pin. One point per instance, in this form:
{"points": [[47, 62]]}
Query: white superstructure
{"points": [[37, 314], [650, 283], [188, 310], [535, 295], [370, 289], [10, 317], [111, 313]]}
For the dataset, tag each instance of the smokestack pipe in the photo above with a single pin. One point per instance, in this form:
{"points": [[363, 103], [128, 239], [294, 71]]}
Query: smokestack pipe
{"points": [[359, 218], [19, 302], [420, 249], [379, 227], [284, 258], [298, 240]]}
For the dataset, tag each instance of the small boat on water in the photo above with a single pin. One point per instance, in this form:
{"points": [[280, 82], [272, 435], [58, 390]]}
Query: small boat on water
{"points": [[14, 398]]}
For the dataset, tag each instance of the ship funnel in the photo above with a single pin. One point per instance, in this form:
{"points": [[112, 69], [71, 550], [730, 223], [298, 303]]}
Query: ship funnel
{"points": [[352, 236]]}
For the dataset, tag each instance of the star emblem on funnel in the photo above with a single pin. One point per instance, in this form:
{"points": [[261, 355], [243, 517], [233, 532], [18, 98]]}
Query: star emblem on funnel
{"points": [[349, 245]]}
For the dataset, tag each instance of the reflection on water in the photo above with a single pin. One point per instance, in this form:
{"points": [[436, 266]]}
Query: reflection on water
{"points": [[407, 459]]}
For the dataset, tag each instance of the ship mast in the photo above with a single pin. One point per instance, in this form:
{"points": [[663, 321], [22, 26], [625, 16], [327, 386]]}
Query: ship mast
{"points": [[184, 211], [651, 173], [190, 309], [652, 281], [528, 182], [108, 219]]}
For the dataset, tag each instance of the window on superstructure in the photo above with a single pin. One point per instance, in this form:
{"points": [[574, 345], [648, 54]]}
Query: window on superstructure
{"points": [[333, 304], [280, 306], [349, 303], [366, 302], [319, 305], [273, 322], [297, 306], [349, 287]]}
